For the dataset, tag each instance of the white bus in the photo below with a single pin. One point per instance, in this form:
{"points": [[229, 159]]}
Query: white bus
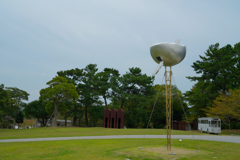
{"points": [[209, 125]]}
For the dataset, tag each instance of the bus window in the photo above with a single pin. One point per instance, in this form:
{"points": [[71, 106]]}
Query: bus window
{"points": [[214, 123]]}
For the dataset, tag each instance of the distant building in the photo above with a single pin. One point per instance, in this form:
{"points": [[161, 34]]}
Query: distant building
{"points": [[60, 122], [184, 126]]}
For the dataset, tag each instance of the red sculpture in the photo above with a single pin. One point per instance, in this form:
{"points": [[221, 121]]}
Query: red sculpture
{"points": [[107, 115], [113, 118]]}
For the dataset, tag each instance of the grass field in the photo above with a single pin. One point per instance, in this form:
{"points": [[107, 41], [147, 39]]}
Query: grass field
{"points": [[230, 132], [119, 149], [77, 131], [108, 149]]}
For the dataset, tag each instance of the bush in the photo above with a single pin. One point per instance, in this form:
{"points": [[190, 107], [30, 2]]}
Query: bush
{"points": [[234, 125], [160, 126], [5, 125], [237, 125]]}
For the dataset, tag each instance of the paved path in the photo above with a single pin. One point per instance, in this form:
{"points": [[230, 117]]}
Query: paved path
{"points": [[233, 139]]}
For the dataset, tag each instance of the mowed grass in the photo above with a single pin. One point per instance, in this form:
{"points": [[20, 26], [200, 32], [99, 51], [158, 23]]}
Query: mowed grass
{"points": [[230, 132], [119, 149], [79, 131]]}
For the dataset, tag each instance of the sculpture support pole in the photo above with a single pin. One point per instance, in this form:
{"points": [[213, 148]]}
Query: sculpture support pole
{"points": [[168, 80]]}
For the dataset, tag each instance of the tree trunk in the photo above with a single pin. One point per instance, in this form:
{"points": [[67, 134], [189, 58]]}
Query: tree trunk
{"points": [[105, 100], [55, 116], [75, 121], [79, 122], [40, 121], [224, 86], [75, 117], [44, 122], [86, 118], [122, 104]]}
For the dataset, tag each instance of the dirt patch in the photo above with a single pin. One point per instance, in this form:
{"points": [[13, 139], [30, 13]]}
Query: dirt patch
{"points": [[163, 150], [156, 153]]}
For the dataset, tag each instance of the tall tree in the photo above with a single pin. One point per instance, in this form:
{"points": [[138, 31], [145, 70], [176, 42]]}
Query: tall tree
{"points": [[89, 94], [4, 102], [236, 75], [132, 91], [16, 101], [90, 85], [74, 76], [104, 85], [58, 91], [218, 74]]}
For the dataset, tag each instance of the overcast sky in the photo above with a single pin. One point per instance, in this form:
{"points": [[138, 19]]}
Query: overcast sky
{"points": [[39, 38]]}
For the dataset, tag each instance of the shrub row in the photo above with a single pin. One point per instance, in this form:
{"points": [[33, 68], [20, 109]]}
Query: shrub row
{"points": [[233, 125]]}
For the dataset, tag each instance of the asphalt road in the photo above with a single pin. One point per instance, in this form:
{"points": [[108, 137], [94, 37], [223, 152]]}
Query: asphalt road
{"points": [[233, 139]]}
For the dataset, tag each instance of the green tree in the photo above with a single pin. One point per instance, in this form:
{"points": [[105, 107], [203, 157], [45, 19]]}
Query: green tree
{"points": [[219, 73], [236, 74], [89, 94], [4, 99], [159, 114], [16, 102], [74, 76], [103, 81], [226, 107], [131, 92], [11, 102], [18, 96], [199, 97], [19, 117], [96, 113], [67, 108], [58, 91], [90, 85], [37, 109]]}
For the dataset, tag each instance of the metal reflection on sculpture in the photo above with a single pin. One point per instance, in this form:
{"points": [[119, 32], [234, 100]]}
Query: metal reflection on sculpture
{"points": [[168, 54]]}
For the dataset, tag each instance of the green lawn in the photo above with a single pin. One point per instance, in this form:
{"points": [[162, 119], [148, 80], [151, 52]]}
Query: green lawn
{"points": [[229, 132], [119, 149], [108, 149], [78, 131]]}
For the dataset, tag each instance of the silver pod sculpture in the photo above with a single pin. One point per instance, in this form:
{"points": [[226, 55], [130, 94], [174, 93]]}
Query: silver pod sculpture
{"points": [[167, 54]]}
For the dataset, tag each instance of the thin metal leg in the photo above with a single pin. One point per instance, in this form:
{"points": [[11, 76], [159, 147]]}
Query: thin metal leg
{"points": [[168, 80]]}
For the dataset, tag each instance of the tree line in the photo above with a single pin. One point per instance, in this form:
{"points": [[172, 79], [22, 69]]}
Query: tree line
{"points": [[91, 92], [83, 94]]}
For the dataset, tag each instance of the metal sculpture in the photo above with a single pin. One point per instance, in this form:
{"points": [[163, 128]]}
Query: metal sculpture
{"points": [[168, 55], [113, 118]]}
